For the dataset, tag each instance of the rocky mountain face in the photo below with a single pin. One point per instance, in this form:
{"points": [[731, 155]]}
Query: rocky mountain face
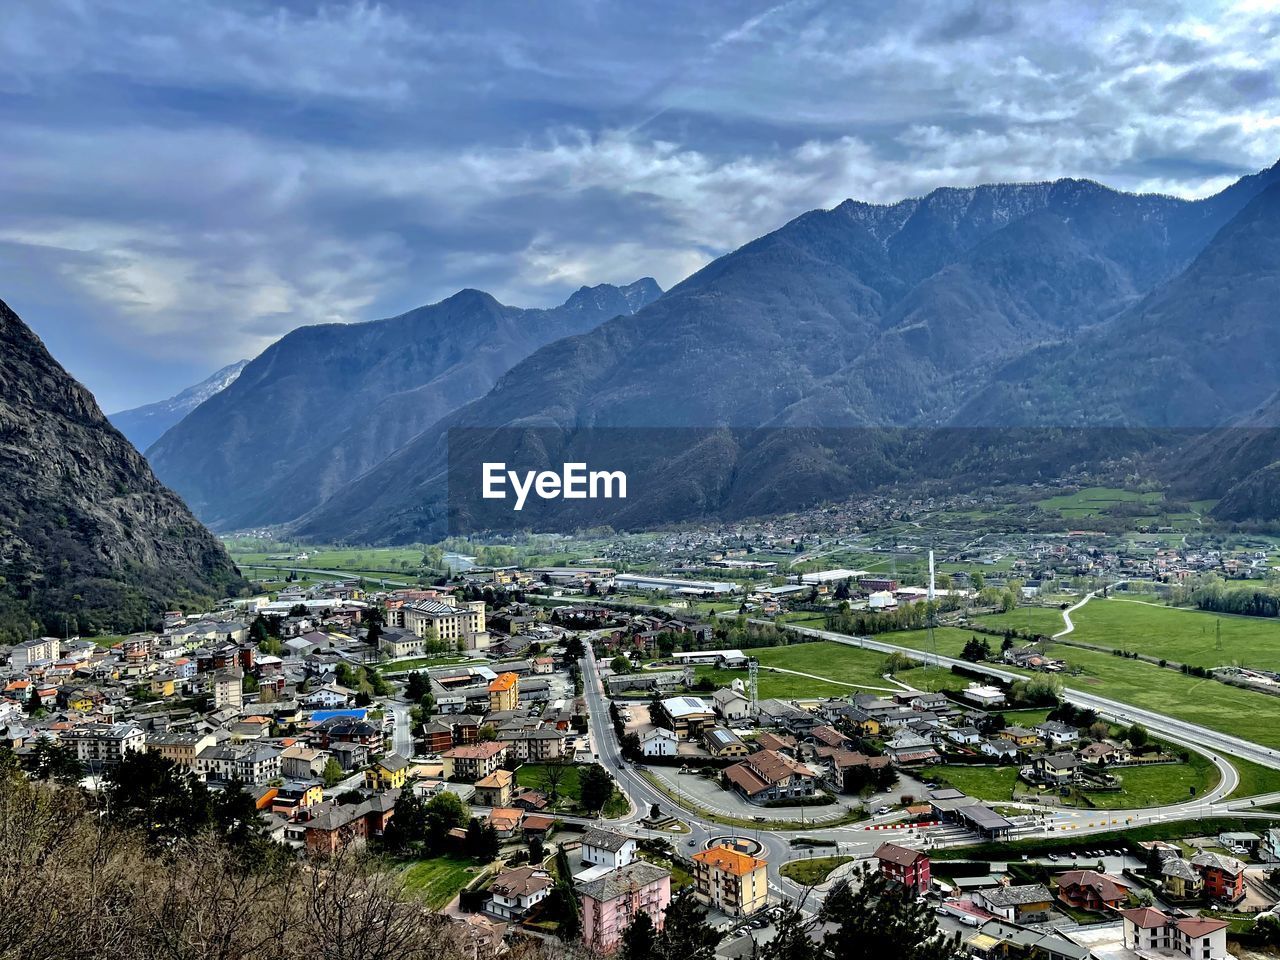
{"points": [[145, 425], [89, 539], [1039, 305], [327, 403]]}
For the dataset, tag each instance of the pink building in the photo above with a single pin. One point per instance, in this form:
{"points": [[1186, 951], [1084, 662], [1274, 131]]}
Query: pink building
{"points": [[610, 901]]}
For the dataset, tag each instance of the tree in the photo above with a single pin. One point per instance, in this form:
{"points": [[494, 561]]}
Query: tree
{"points": [[620, 664], [638, 939], [482, 841], [595, 787], [55, 761], [408, 827], [977, 581], [155, 795], [537, 849], [897, 663], [445, 811], [236, 813], [791, 939], [686, 934], [552, 775], [880, 919], [416, 687], [1137, 736], [1099, 731], [333, 774], [574, 649]]}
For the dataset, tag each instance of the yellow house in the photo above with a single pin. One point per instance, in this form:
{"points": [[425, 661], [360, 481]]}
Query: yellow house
{"points": [[1020, 736], [162, 686], [80, 702], [504, 693], [389, 773], [732, 882], [869, 727]]}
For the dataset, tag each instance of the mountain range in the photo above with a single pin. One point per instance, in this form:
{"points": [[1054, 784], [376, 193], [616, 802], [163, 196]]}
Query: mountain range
{"points": [[1039, 306], [146, 424], [327, 403], [89, 539]]}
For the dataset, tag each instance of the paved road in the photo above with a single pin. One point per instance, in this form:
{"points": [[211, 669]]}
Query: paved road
{"points": [[856, 840]]}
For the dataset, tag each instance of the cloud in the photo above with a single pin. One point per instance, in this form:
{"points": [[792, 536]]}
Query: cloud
{"points": [[211, 175]]}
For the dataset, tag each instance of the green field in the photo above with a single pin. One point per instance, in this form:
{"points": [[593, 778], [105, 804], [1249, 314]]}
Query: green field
{"points": [[832, 661], [1215, 705], [1180, 634], [993, 784], [1255, 779], [569, 792], [439, 879], [1094, 501]]}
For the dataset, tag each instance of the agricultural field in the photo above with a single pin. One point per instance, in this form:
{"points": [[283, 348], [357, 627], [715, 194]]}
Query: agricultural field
{"points": [[1206, 702], [1180, 634], [1151, 786], [1096, 501], [840, 671]]}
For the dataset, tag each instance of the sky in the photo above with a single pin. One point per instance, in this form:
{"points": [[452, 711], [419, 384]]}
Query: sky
{"points": [[183, 183]]}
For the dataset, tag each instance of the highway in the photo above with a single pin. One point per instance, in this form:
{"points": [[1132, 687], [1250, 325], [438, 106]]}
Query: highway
{"points": [[857, 841]]}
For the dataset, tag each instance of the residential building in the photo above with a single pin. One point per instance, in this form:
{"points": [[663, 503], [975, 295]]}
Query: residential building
{"points": [[1179, 880], [389, 772], [610, 903], [767, 776], [515, 892], [102, 745], [181, 748], [606, 848], [1090, 890], [732, 882], [472, 762], [661, 742], [504, 693], [228, 689], [1223, 876], [302, 763], [30, 652], [495, 789], [904, 866], [442, 618], [1022, 904], [731, 705], [246, 762], [1057, 734], [1150, 932]]}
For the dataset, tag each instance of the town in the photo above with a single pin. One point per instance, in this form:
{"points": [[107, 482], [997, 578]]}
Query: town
{"points": [[744, 733]]}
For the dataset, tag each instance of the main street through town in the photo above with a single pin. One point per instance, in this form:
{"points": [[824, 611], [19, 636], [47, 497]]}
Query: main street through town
{"points": [[860, 839]]}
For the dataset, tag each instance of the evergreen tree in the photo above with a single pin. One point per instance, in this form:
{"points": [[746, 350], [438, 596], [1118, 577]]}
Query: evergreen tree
{"points": [[166, 802], [880, 919], [686, 935], [638, 939]]}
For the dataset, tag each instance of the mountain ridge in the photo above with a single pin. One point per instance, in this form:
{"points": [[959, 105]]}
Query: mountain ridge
{"points": [[145, 424], [88, 535], [817, 318], [328, 402]]}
